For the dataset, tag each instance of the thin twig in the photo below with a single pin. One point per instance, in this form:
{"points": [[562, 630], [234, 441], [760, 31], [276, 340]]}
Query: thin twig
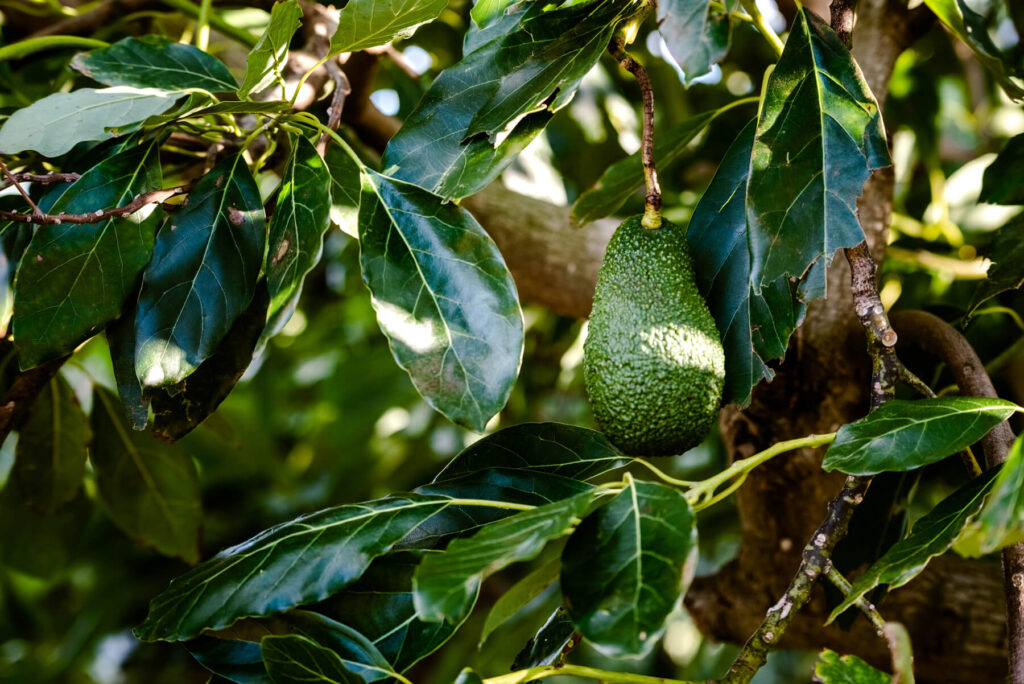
{"points": [[865, 606], [43, 178], [140, 201], [342, 89], [11, 180]]}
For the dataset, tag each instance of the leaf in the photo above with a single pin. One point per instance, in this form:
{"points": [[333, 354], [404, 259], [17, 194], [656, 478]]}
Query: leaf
{"points": [[446, 584], [50, 457], [1003, 180], [75, 279], [548, 645], [121, 342], [236, 661], [1007, 270], [901, 651], [177, 413], [519, 595], [368, 23], [297, 229], [443, 297], [468, 676], [150, 489], [39, 544], [155, 62], [58, 122], [833, 668], [266, 60], [295, 659], [535, 56], [486, 11], [555, 448], [903, 435], [1002, 517], [697, 35], [755, 325], [819, 135], [930, 536], [345, 189], [203, 275], [627, 565], [297, 562]]}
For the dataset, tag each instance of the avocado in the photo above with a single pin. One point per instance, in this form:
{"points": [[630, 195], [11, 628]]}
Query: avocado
{"points": [[653, 362]]}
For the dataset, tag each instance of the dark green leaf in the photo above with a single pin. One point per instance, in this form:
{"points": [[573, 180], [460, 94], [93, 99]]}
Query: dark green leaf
{"points": [[697, 35], [266, 60], [443, 297], [755, 326], [295, 659], [1003, 180], [53, 125], [930, 536], [155, 62], [1007, 270], [537, 54], [197, 106], [345, 189], [547, 647], [236, 661], [203, 275], [368, 23], [819, 135], [150, 489], [555, 448], [467, 676], [1002, 518], [52, 448], [297, 562], [446, 584], [833, 668], [121, 342], [75, 279], [297, 229], [627, 565], [40, 544], [902, 435], [520, 594]]}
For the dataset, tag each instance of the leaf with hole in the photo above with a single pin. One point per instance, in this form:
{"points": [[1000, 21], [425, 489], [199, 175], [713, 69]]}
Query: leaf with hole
{"points": [[155, 62]]}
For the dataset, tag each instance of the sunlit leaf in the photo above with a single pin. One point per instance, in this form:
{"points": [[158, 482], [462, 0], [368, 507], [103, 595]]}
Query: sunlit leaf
{"points": [[833, 668], [155, 62], [266, 61], [345, 189], [121, 342], [368, 23], [1003, 515], [696, 34]]}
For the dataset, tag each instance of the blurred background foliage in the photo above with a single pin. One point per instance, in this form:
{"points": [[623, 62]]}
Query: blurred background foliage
{"points": [[326, 417]]}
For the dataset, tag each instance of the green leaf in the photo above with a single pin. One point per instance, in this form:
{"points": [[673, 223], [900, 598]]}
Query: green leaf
{"points": [[1002, 517], [297, 562], [697, 35], [443, 297], [203, 275], [266, 60], [903, 435], [346, 186], [833, 668], [40, 544], [627, 565], [75, 279], [150, 489], [755, 325], [53, 125], [121, 342], [537, 54], [548, 645], [365, 24], [819, 135], [50, 457], [236, 661], [901, 651], [1007, 270], [155, 62], [1003, 180], [294, 659], [446, 584], [468, 676], [520, 594], [297, 229], [555, 448], [486, 11], [930, 536], [970, 27]]}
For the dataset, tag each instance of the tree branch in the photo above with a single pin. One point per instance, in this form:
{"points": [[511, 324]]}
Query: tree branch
{"points": [[140, 201], [44, 178]]}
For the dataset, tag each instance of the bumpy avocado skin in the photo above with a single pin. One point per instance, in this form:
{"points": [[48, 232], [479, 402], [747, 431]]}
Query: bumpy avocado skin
{"points": [[653, 362]]}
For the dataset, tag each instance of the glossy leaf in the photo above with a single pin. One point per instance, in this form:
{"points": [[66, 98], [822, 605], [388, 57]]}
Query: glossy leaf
{"points": [[547, 646], [556, 448], [297, 562], [50, 457], [930, 536], [446, 584], [1002, 518], [696, 34], [53, 125], [75, 279], [755, 323], [519, 595], [236, 661], [443, 297], [833, 668], [537, 54], [365, 24], [121, 342], [1007, 270], [627, 565], [149, 489], [292, 659], [1003, 180], [903, 435], [203, 275], [155, 62], [467, 676], [346, 186], [266, 61], [297, 229], [819, 135]]}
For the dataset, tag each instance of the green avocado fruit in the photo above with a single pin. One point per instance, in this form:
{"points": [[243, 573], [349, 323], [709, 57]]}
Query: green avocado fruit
{"points": [[653, 362]]}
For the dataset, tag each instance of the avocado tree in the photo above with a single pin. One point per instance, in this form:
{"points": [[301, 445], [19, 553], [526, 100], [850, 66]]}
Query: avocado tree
{"points": [[190, 190]]}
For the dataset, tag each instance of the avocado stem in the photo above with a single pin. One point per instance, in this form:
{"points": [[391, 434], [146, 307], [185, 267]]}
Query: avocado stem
{"points": [[652, 208]]}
